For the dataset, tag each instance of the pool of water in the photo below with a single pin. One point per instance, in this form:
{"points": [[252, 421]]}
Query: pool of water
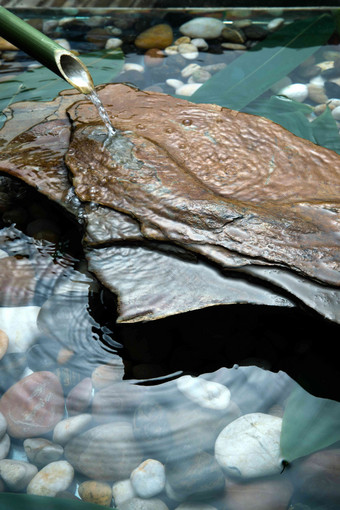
{"points": [[144, 374]]}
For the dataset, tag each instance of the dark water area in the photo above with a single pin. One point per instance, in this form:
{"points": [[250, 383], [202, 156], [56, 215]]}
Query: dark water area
{"points": [[147, 399]]}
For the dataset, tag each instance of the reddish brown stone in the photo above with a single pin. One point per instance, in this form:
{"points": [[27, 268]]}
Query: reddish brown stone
{"points": [[159, 36], [153, 57], [33, 406]]}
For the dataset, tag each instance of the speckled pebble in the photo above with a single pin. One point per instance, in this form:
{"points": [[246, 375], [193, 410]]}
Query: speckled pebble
{"points": [[71, 427], [5, 444], [3, 425], [188, 51], [188, 89], [182, 40], [41, 451], [112, 43], [204, 27], [122, 491], [171, 50], [99, 493], [17, 474], [148, 479], [53, 478]]}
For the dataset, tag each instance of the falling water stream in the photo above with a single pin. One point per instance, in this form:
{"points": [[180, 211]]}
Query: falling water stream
{"points": [[94, 98]]}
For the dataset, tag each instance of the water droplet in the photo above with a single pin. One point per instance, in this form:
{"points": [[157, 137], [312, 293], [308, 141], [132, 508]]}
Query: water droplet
{"points": [[187, 122]]}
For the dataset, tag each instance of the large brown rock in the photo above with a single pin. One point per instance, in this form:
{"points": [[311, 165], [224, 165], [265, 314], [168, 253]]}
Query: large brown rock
{"points": [[33, 405]]}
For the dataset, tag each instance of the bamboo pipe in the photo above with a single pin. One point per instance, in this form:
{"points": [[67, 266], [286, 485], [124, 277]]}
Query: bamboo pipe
{"points": [[62, 62]]}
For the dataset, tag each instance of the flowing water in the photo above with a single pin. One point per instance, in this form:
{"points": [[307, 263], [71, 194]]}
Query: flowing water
{"points": [[146, 367]]}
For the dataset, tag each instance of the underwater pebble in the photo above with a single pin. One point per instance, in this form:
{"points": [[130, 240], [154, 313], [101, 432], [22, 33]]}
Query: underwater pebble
{"points": [[4, 341], [172, 82], [159, 36], [99, 493], [188, 51], [209, 394], [195, 506], [188, 89], [5, 444], [55, 477], [171, 50], [33, 405], [202, 27], [130, 66], [317, 94], [143, 504], [17, 474], [233, 35], [279, 85], [112, 43], [189, 69], [274, 24], [259, 495], [103, 375], [153, 57], [336, 113], [41, 451], [200, 43], [148, 479], [3, 425], [70, 427], [79, 397], [182, 40], [233, 46], [122, 491], [199, 76], [64, 43], [20, 325], [295, 91], [318, 475], [250, 446]]}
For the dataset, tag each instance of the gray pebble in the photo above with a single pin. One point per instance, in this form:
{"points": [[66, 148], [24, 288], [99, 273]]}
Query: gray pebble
{"points": [[5, 444], [143, 504], [41, 451], [17, 474], [3, 425]]}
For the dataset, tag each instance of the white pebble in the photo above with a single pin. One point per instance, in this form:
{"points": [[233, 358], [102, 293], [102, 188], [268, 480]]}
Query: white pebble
{"points": [[318, 81], [188, 89], [148, 479], [200, 43], [122, 491], [130, 66], [53, 478], [113, 43], [188, 51], [336, 113], [333, 102], [275, 23], [209, 394], [171, 50], [17, 474], [189, 69], [201, 27], [70, 427], [20, 325], [5, 444], [64, 43], [250, 446], [3, 425], [295, 91], [172, 82]]}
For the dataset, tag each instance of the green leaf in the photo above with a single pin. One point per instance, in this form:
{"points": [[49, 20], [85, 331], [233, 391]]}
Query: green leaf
{"points": [[248, 76], [309, 424], [326, 132], [29, 502], [41, 84]]}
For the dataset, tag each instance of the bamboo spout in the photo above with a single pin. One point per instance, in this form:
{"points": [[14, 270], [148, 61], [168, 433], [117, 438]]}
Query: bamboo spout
{"points": [[62, 62]]}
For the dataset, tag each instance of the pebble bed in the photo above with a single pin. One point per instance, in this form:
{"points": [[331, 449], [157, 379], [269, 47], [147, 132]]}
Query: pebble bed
{"points": [[188, 444]]}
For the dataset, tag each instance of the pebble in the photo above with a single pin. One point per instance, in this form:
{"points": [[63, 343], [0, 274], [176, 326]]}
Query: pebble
{"points": [[154, 57], [279, 85], [171, 50], [116, 400], [159, 36], [148, 479], [143, 504], [55, 477], [64, 43], [202, 27], [41, 451], [200, 43], [199, 76], [70, 427], [33, 405], [9, 56], [209, 394], [195, 506], [188, 89], [3, 343], [3, 425], [103, 375], [20, 325], [234, 46], [273, 494], [189, 69], [79, 397], [99, 493], [172, 82], [275, 24], [255, 32], [233, 35], [317, 94], [318, 475], [188, 51], [122, 491], [296, 91], [131, 66], [112, 43], [250, 446], [182, 40], [336, 113], [105, 452], [17, 474], [5, 444]]}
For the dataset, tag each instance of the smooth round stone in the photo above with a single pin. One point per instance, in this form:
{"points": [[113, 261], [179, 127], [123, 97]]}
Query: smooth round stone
{"points": [[17, 474], [189, 70], [5, 444], [122, 491], [234, 46], [131, 66], [296, 91], [103, 375], [148, 479], [64, 43], [171, 50], [200, 76], [3, 425], [172, 82], [79, 397], [317, 94], [259, 495], [33, 406], [194, 506], [152, 431], [209, 394], [336, 113], [70, 427], [3, 344], [41, 451], [51, 479], [202, 27], [112, 43], [318, 476], [20, 325], [99, 493], [143, 504], [105, 452], [250, 446], [200, 43], [233, 35], [279, 85], [275, 24], [188, 89], [116, 401], [188, 51], [159, 36]]}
